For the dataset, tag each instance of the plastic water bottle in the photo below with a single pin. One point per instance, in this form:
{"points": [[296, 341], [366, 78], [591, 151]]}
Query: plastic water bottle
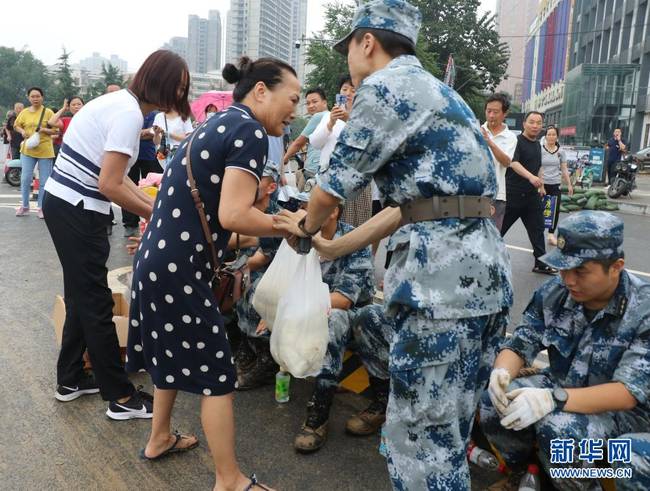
{"points": [[383, 451], [482, 458], [530, 481], [282, 382]]}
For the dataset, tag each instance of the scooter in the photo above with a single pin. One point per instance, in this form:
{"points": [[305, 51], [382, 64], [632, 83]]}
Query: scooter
{"points": [[12, 171], [625, 180]]}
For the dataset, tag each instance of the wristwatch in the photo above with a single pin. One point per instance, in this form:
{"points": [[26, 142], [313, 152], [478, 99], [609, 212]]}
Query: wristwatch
{"points": [[301, 226], [560, 396]]}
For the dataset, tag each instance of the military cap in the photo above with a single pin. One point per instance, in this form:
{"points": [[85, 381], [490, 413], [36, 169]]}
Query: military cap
{"points": [[271, 169], [398, 16], [586, 236]]}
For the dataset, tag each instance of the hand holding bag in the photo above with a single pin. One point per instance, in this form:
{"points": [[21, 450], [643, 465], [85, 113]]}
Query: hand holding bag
{"points": [[35, 140]]}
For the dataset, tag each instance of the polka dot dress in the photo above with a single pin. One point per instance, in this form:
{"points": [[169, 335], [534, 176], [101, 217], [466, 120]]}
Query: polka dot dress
{"points": [[176, 331]]}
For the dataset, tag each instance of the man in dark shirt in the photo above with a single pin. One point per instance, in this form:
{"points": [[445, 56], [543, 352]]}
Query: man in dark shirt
{"points": [[15, 138], [146, 163], [523, 188], [616, 148]]}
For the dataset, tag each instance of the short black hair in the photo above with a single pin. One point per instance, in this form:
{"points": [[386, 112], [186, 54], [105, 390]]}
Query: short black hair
{"points": [[392, 43], [29, 91], [76, 97], [344, 79], [499, 97], [317, 90], [530, 113], [270, 71], [606, 264]]}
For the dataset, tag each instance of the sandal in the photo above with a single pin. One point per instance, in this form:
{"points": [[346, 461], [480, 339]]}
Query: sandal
{"points": [[171, 450], [255, 482]]}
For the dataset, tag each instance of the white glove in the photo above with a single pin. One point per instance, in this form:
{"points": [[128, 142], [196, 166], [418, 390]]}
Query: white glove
{"points": [[528, 406], [499, 381]]}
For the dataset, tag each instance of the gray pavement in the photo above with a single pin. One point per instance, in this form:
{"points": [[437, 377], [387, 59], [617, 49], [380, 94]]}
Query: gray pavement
{"points": [[52, 445]]}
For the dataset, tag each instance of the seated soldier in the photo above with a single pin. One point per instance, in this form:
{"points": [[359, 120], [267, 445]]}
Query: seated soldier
{"points": [[640, 464], [253, 360], [351, 283], [595, 323], [370, 332]]}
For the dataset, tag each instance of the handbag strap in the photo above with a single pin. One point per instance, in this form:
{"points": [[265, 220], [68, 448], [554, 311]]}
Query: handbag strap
{"points": [[40, 121]]}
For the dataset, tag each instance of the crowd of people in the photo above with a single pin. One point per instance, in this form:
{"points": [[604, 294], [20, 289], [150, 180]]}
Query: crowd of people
{"points": [[399, 156]]}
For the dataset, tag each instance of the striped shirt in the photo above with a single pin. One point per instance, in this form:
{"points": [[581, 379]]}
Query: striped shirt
{"points": [[110, 123]]}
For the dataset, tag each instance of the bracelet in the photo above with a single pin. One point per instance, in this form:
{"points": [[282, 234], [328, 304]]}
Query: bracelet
{"points": [[301, 226]]}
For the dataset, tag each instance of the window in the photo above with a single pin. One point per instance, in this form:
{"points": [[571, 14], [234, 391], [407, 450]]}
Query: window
{"points": [[604, 51], [639, 24], [616, 33], [627, 29]]}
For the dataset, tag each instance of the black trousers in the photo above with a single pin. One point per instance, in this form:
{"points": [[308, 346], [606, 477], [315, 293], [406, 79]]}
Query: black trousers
{"points": [[611, 172], [554, 190], [528, 207], [81, 243], [140, 169]]}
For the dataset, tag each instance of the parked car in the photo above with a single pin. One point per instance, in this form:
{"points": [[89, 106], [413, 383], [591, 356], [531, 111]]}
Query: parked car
{"points": [[642, 157]]}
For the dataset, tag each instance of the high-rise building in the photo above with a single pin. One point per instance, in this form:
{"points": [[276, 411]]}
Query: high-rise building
{"points": [[178, 45], [94, 63], [547, 58], [214, 35], [607, 85], [275, 28], [513, 18]]}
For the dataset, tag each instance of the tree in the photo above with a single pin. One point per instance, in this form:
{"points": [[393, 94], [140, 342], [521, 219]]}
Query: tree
{"points": [[111, 75], [331, 65], [452, 27], [64, 86], [20, 70]]}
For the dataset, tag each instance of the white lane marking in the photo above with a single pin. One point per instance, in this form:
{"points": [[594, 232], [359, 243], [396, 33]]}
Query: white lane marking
{"points": [[523, 249]]}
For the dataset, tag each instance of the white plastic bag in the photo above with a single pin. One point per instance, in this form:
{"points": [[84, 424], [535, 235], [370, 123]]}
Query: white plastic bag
{"points": [[33, 141], [274, 283], [301, 333]]}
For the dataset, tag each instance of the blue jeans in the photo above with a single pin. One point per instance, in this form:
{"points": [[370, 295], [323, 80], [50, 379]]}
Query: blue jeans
{"points": [[44, 170]]}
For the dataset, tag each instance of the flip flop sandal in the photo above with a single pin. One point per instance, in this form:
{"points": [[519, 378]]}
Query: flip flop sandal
{"points": [[255, 482], [171, 450]]}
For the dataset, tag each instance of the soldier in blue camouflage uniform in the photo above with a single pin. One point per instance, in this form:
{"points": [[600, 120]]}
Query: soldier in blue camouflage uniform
{"points": [[255, 365], [351, 283], [595, 323], [640, 464], [448, 286]]}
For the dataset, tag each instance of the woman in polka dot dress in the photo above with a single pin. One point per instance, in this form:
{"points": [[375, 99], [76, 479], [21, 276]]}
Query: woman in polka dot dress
{"points": [[177, 332]]}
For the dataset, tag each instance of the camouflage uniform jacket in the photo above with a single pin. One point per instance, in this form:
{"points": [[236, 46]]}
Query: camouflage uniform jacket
{"points": [[418, 139], [613, 347], [353, 275]]}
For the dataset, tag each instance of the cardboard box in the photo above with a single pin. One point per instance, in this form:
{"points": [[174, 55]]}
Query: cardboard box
{"points": [[120, 318]]}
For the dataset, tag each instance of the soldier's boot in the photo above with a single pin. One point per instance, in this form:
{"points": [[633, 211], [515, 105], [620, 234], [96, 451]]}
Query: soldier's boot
{"points": [[368, 421], [262, 371], [245, 356], [313, 433]]}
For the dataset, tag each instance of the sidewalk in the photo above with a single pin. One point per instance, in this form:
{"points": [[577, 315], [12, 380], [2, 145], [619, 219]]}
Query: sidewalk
{"points": [[638, 203]]}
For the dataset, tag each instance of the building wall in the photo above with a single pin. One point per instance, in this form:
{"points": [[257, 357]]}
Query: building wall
{"points": [[214, 34], [513, 20]]}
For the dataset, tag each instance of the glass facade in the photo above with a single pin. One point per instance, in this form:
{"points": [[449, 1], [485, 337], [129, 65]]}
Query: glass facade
{"points": [[598, 99]]}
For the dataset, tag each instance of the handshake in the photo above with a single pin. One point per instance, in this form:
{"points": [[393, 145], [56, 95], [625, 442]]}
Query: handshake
{"points": [[518, 408]]}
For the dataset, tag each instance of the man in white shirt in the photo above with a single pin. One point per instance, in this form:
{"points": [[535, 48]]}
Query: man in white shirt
{"points": [[502, 143]]}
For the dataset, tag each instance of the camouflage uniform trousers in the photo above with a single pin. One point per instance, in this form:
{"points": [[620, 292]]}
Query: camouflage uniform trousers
{"points": [[247, 317], [438, 370], [517, 447], [640, 464], [372, 331]]}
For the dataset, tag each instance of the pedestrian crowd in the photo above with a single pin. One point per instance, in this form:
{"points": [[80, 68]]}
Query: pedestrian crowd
{"points": [[399, 156]]}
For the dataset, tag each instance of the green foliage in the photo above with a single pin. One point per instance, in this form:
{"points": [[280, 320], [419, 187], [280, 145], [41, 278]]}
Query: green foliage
{"points": [[453, 27], [111, 75], [63, 84], [297, 125], [20, 70]]}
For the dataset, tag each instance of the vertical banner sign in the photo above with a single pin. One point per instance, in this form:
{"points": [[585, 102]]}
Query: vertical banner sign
{"points": [[548, 205], [597, 160], [450, 72]]}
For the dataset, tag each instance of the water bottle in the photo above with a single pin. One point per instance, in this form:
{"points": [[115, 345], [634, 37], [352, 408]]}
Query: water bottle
{"points": [[530, 481], [282, 381], [383, 451], [482, 458]]}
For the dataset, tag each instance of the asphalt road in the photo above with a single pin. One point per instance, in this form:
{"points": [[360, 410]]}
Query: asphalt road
{"points": [[50, 445]]}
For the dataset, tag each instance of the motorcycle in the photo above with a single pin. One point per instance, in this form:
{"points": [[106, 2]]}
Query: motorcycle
{"points": [[12, 172], [625, 180]]}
